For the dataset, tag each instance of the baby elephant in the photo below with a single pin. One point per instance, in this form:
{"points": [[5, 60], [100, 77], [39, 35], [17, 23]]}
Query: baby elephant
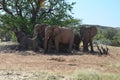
{"points": [[26, 42]]}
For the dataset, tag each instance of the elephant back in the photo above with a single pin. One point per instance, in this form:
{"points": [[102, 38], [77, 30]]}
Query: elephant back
{"points": [[93, 31], [88, 32]]}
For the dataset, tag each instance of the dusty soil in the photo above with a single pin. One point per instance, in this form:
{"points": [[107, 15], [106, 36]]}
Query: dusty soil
{"points": [[30, 61]]}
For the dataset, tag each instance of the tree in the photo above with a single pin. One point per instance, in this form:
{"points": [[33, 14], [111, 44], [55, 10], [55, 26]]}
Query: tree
{"points": [[110, 33], [26, 13]]}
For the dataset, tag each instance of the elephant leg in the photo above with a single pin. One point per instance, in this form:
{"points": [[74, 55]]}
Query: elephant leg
{"points": [[22, 46], [85, 46], [45, 46], [57, 45], [91, 45], [35, 47], [70, 46], [76, 47]]}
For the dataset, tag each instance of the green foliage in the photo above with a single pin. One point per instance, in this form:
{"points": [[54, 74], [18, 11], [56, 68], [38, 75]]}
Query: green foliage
{"points": [[24, 14], [99, 36], [94, 75], [8, 22], [115, 42], [108, 36], [116, 39], [110, 33], [13, 37]]}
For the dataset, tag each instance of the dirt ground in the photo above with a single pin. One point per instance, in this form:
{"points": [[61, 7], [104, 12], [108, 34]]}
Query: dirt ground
{"points": [[31, 61]]}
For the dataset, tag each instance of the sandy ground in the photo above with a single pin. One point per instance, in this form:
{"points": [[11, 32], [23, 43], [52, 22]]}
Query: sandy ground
{"points": [[67, 64], [26, 65]]}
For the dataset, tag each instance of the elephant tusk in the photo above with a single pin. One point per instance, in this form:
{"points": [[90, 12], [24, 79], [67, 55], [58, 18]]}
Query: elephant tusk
{"points": [[34, 37]]}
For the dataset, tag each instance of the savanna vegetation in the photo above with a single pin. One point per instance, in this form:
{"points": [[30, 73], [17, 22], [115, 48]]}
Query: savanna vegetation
{"points": [[24, 14], [108, 35]]}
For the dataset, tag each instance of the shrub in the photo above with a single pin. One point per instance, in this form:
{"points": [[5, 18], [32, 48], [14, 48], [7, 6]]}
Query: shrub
{"points": [[115, 43], [94, 75]]}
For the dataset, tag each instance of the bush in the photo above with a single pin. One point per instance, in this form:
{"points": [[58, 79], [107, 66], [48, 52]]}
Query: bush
{"points": [[115, 43], [94, 75]]}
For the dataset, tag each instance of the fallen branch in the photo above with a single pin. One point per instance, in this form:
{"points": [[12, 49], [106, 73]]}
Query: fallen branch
{"points": [[102, 50]]}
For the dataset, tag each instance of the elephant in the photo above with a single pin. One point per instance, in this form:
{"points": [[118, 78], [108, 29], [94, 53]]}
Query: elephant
{"points": [[26, 42], [87, 35], [60, 36], [39, 30], [77, 40]]}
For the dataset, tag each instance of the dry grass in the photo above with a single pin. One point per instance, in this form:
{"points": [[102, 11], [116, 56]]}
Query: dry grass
{"points": [[8, 43], [60, 63], [64, 64], [94, 75]]}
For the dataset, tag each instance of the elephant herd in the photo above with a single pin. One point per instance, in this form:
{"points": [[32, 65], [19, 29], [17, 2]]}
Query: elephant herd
{"points": [[57, 37]]}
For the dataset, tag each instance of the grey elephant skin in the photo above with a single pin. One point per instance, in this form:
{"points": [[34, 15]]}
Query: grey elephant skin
{"points": [[39, 30], [77, 40], [60, 36], [87, 35]]}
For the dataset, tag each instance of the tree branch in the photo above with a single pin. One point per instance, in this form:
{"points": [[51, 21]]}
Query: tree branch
{"points": [[18, 9], [100, 52], [31, 3], [45, 12], [103, 50], [4, 7], [34, 12]]}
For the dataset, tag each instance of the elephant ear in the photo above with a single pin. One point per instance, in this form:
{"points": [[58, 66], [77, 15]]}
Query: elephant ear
{"points": [[56, 30], [36, 29]]}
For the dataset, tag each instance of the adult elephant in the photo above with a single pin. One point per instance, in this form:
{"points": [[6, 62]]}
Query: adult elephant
{"points": [[39, 30], [60, 36], [77, 40], [87, 35]]}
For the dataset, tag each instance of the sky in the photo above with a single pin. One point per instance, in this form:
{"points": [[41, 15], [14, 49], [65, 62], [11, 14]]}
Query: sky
{"points": [[97, 12]]}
